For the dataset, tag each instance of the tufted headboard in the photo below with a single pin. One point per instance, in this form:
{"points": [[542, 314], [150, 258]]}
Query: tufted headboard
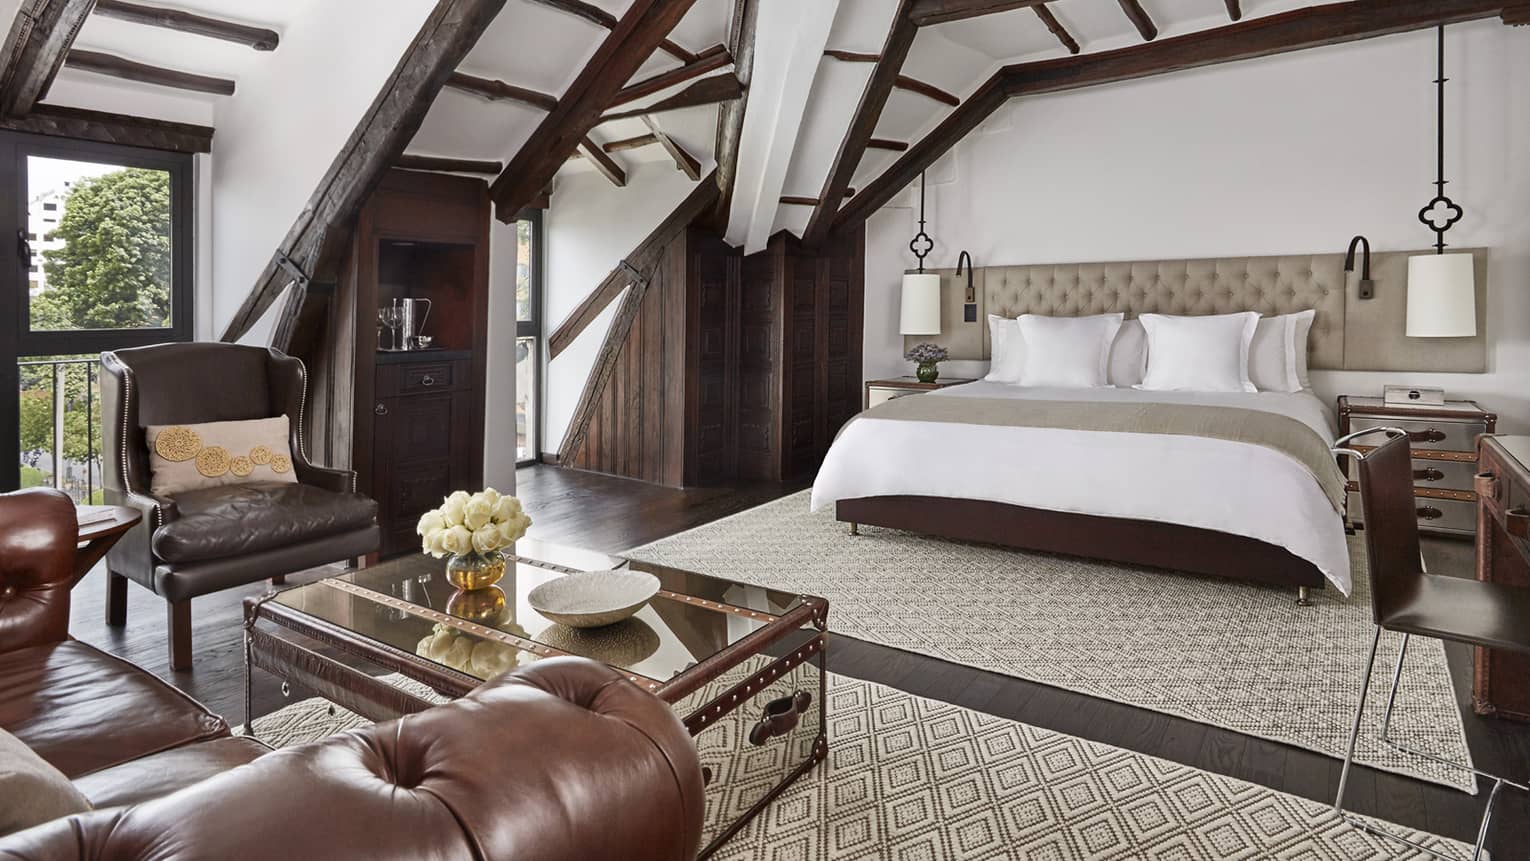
{"points": [[1347, 333]]}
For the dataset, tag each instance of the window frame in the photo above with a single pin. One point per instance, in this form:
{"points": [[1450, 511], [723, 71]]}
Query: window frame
{"points": [[533, 329]]}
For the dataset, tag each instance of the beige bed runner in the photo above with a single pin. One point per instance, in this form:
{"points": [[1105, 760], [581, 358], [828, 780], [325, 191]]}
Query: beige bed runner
{"points": [[1254, 427]]}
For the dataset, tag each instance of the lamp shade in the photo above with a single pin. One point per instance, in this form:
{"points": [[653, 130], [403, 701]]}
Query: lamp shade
{"points": [[920, 313], [1442, 296]]}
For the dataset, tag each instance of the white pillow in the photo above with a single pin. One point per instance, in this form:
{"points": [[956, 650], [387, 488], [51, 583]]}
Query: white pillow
{"points": [[1067, 352], [1128, 355], [1199, 354], [1008, 350], [1303, 330], [1276, 354]]}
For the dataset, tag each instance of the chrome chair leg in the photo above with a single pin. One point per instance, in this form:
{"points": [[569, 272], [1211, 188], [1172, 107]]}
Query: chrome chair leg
{"points": [[1303, 596], [1354, 733]]}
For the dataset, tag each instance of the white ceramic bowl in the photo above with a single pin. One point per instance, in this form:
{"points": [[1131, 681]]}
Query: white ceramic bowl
{"points": [[593, 598]]}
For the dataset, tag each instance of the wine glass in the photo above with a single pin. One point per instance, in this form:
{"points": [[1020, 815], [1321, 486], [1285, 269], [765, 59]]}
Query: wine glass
{"points": [[391, 316]]}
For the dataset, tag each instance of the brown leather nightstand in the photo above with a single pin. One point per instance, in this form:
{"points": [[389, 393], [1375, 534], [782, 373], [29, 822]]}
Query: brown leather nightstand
{"points": [[1444, 443], [881, 391]]}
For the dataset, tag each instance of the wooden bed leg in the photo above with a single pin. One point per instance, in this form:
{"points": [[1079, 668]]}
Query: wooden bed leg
{"points": [[855, 528], [1303, 596]]}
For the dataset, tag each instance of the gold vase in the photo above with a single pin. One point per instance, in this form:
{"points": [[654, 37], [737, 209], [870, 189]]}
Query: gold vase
{"points": [[470, 571], [485, 606]]}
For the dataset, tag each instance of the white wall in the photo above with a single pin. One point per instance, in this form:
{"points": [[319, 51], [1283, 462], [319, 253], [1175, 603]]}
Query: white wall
{"points": [[499, 454], [1283, 155], [590, 226]]}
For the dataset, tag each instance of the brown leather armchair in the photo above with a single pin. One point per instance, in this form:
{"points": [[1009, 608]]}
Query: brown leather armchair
{"points": [[204, 541]]}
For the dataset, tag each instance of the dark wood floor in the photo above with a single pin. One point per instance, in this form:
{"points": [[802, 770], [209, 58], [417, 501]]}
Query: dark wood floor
{"points": [[611, 515]]}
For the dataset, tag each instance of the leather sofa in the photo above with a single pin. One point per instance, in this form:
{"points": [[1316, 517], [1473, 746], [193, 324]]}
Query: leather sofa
{"points": [[208, 540], [564, 759]]}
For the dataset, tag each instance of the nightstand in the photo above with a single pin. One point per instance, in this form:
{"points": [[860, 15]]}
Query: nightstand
{"points": [[1444, 442], [882, 391]]}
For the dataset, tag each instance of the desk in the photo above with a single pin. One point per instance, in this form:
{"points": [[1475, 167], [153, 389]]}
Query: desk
{"points": [[1501, 683]]}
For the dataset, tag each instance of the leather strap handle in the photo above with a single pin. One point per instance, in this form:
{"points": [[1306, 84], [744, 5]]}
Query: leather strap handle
{"points": [[1428, 474], [1430, 435], [1516, 522], [1429, 512], [781, 717]]}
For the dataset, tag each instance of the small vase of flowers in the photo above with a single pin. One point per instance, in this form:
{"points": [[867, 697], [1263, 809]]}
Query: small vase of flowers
{"points": [[929, 357], [470, 531]]}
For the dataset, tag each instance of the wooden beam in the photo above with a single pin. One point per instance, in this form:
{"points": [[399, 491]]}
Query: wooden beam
{"points": [[927, 12], [1517, 16], [710, 60], [642, 259], [113, 66], [618, 58], [1234, 9], [112, 128], [799, 201], [1140, 18], [684, 161], [40, 36], [605, 363], [884, 143], [914, 85], [852, 56], [873, 100], [319, 234], [730, 113], [707, 91], [630, 143], [259, 38], [601, 18], [603, 162], [410, 161], [493, 89], [1296, 30], [1061, 32]]}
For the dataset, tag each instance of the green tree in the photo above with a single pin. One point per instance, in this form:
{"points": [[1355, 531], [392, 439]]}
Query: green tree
{"points": [[113, 271]]}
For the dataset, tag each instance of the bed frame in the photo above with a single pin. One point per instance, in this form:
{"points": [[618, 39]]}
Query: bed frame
{"points": [[1113, 539]]}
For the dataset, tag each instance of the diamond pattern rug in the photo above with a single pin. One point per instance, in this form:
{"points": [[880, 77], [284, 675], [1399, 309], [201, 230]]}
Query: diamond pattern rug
{"points": [[911, 779], [1229, 654]]}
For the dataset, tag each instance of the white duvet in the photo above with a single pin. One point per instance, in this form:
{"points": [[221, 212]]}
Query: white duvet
{"points": [[1233, 487]]}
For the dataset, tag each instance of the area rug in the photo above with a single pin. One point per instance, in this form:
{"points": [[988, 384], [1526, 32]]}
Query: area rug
{"points": [[914, 779], [1220, 652]]}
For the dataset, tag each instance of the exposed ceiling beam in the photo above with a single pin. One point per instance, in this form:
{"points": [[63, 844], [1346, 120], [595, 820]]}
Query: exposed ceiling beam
{"points": [[315, 239], [630, 143], [409, 161], [494, 89], [259, 38], [1061, 32], [710, 60], [601, 18], [603, 162], [113, 66], [914, 85], [684, 161], [81, 124], [40, 36], [927, 12], [852, 56], [900, 38], [1517, 16], [884, 143], [1234, 9], [794, 200], [707, 91], [730, 113], [1140, 18], [1295, 30], [620, 55]]}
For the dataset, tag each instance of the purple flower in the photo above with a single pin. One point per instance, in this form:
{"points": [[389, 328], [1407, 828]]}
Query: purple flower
{"points": [[923, 353]]}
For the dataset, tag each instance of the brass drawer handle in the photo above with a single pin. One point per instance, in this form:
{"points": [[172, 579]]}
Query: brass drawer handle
{"points": [[1430, 435], [781, 717], [427, 380], [1428, 474], [1429, 512]]}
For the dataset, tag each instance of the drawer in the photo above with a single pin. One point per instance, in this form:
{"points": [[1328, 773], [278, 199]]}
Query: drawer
{"points": [[880, 395], [426, 378], [1449, 516], [1428, 434], [1441, 474]]}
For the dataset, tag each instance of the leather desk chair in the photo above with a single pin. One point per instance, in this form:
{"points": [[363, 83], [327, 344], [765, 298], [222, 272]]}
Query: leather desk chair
{"points": [[1407, 600], [206, 540]]}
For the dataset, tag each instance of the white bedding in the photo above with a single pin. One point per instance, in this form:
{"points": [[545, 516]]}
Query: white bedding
{"points": [[1232, 487]]}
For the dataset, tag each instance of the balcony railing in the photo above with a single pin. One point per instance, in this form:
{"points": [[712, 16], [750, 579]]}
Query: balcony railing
{"points": [[60, 434]]}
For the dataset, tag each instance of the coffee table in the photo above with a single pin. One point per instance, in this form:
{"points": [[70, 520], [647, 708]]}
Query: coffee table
{"points": [[742, 665]]}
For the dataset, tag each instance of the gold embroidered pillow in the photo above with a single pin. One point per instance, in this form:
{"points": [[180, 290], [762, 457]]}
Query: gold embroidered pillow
{"points": [[191, 457]]}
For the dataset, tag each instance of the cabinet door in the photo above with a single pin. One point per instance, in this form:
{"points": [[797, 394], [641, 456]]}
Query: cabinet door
{"points": [[413, 455]]}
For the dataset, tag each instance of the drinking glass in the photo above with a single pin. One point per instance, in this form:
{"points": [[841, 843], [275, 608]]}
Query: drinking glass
{"points": [[391, 316]]}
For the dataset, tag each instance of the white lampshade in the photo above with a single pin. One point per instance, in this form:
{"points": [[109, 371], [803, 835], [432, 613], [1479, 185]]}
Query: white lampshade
{"points": [[921, 304], [1442, 296]]}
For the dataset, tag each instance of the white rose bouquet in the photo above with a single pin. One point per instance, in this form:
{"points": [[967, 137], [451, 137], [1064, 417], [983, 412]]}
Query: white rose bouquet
{"points": [[472, 523]]}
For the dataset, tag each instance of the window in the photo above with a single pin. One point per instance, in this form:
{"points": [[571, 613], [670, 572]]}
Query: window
{"points": [[528, 351], [112, 269]]}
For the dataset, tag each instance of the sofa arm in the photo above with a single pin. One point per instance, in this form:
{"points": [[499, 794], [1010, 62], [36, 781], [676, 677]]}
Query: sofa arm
{"points": [[564, 759], [337, 480], [38, 534]]}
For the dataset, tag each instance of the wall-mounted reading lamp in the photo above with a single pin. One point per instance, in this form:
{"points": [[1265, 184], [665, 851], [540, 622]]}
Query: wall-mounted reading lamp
{"points": [[969, 308], [1367, 289]]}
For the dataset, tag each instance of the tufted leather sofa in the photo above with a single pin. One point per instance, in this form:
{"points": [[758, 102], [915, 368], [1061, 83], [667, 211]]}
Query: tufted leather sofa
{"points": [[564, 759], [206, 540]]}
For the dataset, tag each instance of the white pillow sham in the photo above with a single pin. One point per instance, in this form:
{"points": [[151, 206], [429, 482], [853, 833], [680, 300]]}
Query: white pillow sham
{"points": [[1277, 355], [1198, 354], [1128, 355], [1008, 351], [1068, 352]]}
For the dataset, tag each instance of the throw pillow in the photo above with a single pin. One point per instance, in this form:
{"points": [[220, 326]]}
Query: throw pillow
{"points": [[193, 457], [32, 791]]}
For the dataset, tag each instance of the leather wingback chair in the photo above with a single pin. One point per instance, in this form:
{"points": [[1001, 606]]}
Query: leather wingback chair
{"points": [[36, 567], [207, 540]]}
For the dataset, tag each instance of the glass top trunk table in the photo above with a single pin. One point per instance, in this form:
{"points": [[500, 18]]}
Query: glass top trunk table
{"points": [[719, 652]]}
